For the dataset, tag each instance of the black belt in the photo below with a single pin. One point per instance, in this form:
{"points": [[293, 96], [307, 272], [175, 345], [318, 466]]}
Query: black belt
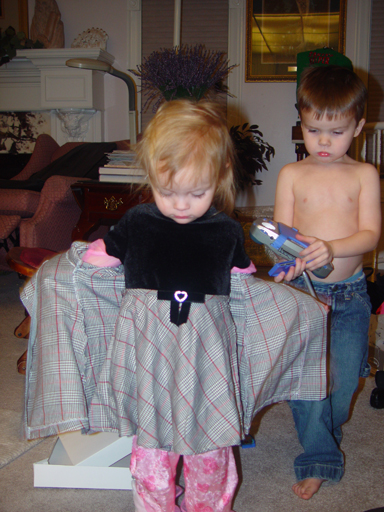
{"points": [[180, 303]]}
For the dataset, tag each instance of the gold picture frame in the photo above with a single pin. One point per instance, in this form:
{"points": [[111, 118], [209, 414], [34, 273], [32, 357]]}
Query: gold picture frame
{"points": [[280, 29]]}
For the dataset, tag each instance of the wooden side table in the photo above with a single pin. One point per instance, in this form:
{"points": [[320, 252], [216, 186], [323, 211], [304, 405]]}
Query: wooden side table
{"points": [[104, 203]]}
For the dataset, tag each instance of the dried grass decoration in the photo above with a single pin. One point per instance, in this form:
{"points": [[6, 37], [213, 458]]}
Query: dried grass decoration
{"points": [[182, 72]]}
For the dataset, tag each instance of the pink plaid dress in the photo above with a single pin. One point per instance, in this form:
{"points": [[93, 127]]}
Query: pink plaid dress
{"points": [[175, 387]]}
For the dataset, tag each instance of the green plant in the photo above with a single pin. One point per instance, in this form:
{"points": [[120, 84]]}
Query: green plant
{"points": [[251, 154], [10, 41]]}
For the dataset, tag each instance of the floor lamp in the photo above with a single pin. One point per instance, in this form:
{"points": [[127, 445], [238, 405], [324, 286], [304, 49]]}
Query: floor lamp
{"points": [[99, 65]]}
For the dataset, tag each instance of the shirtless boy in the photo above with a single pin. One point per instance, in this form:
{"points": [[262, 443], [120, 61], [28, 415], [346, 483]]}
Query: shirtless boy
{"points": [[335, 201]]}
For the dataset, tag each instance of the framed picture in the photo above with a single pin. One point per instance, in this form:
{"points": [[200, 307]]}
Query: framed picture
{"points": [[277, 30], [1, 9]]}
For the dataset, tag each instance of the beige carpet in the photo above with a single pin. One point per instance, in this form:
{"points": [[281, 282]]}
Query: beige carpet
{"points": [[266, 471], [11, 443]]}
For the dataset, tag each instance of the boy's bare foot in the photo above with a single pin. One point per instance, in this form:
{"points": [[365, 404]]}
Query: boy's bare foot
{"points": [[305, 489]]}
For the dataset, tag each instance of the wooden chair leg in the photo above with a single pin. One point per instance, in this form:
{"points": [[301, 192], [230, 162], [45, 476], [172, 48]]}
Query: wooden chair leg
{"points": [[22, 330], [22, 363]]}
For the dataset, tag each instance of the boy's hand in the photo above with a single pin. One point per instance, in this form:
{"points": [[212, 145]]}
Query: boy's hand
{"points": [[292, 273], [317, 254]]}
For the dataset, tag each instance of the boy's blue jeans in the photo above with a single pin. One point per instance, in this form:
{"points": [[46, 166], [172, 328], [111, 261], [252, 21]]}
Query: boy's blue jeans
{"points": [[318, 424]]}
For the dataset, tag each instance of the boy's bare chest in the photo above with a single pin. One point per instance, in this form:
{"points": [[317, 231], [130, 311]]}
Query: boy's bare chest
{"points": [[319, 191]]}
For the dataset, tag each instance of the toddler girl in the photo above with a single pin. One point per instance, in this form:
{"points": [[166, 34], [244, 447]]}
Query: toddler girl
{"points": [[170, 377]]}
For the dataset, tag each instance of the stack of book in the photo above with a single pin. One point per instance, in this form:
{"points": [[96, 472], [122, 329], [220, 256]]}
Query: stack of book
{"points": [[121, 167]]}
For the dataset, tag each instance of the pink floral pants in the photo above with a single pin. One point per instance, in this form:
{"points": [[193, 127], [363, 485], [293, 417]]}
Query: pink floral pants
{"points": [[210, 480]]}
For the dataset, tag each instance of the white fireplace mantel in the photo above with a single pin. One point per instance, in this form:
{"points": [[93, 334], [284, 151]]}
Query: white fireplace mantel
{"points": [[39, 80]]}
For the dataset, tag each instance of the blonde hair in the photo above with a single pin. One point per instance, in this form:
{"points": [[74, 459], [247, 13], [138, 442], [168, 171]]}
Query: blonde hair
{"points": [[185, 133], [331, 91]]}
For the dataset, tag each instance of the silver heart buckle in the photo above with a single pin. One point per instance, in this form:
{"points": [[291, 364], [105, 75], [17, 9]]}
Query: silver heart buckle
{"points": [[180, 296]]}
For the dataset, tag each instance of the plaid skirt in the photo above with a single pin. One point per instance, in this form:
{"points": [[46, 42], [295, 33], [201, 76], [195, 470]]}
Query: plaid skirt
{"points": [[176, 388], [281, 344]]}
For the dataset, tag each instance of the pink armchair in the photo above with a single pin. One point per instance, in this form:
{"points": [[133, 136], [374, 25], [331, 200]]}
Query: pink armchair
{"points": [[56, 215], [44, 219], [25, 202]]}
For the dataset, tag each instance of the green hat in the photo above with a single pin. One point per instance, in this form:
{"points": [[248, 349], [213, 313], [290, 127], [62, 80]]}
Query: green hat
{"points": [[321, 57]]}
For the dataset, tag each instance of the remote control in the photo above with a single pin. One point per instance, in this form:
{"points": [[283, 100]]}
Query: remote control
{"points": [[281, 239]]}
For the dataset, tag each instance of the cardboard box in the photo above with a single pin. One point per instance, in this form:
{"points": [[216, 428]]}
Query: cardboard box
{"points": [[97, 461]]}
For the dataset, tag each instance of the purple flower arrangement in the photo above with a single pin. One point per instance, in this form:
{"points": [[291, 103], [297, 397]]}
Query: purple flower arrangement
{"points": [[182, 72]]}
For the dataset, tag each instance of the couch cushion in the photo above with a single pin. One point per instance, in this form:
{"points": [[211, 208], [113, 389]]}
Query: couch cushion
{"points": [[64, 149], [83, 161], [41, 156], [19, 202]]}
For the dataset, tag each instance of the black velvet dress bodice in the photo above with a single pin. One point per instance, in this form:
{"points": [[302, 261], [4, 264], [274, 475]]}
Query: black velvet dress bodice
{"points": [[160, 254]]}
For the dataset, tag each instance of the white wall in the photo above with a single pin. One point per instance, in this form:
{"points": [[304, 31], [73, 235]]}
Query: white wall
{"points": [[272, 107]]}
